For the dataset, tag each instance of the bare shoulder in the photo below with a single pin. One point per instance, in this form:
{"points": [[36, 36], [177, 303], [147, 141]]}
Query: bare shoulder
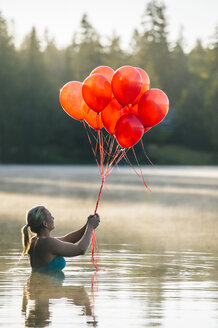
{"points": [[53, 241], [42, 245], [48, 242]]}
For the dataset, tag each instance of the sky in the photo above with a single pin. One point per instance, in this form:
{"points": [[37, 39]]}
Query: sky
{"points": [[62, 17]]}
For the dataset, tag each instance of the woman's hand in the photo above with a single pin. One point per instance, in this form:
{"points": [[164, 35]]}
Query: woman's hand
{"points": [[94, 220]]}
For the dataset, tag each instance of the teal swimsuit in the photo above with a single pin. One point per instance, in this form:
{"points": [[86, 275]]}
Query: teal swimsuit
{"points": [[57, 264]]}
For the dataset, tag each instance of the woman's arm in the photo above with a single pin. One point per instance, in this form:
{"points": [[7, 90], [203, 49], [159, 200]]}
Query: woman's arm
{"points": [[75, 236], [57, 247]]}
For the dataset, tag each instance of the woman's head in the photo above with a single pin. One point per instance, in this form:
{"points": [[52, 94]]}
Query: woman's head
{"points": [[37, 218]]}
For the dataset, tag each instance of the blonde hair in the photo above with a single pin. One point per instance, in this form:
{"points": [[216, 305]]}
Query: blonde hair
{"points": [[34, 220]]}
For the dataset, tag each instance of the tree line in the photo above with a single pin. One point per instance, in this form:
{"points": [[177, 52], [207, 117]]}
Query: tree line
{"points": [[34, 128]]}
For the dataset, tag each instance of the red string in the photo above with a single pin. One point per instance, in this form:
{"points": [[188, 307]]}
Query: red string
{"points": [[95, 251], [99, 195], [140, 169], [94, 288], [128, 161], [108, 159], [94, 245], [143, 148], [90, 141]]}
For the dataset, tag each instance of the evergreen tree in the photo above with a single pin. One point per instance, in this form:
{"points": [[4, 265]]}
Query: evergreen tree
{"points": [[180, 73], [114, 56], [9, 90], [153, 54], [34, 103], [86, 50], [210, 92], [35, 129], [53, 61]]}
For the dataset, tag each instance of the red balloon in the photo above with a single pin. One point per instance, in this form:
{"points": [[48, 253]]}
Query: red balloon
{"points": [[93, 118], [145, 84], [111, 114], [129, 130], [107, 71], [71, 99], [96, 91], [85, 108], [134, 109], [126, 84], [153, 107]]}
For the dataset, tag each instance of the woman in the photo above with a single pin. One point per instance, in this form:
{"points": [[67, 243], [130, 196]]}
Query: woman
{"points": [[46, 252]]}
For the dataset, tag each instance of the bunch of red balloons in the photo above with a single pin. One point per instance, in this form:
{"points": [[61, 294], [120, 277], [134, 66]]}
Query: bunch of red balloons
{"points": [[121, 102]]}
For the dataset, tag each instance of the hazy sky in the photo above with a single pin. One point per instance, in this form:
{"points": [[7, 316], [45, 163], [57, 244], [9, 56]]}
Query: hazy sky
{"points": [[62, 17]]}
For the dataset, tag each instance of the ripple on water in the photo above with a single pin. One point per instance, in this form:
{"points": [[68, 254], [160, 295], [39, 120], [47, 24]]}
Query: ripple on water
{"points": [[134, 289]]}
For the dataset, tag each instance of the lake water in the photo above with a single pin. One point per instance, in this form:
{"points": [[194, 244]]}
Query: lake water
{"points": [[158, 249]]}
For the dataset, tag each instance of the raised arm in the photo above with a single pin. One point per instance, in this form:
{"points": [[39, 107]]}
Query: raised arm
{"points": [[75, 236], [61, 248]]}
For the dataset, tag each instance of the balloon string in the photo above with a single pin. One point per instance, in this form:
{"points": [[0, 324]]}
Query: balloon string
{"points": [[90, 141], [94, 245], [114, 155], [101, 150], [140, 169], [128, 161], [117, 158], [94, 288], [105, 172], [99, 194], [95, 251], [145, 153]]}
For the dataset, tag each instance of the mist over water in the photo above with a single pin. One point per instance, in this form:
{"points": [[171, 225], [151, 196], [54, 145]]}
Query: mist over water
{"points": [[158, 249]]}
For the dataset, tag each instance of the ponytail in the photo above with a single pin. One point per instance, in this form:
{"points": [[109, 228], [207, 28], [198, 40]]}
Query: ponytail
{"points": [[25, 239], [34, 218]]}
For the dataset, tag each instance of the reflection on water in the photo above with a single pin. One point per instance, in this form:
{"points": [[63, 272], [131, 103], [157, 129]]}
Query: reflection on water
{"points": [[41, 289], [136, 289]]}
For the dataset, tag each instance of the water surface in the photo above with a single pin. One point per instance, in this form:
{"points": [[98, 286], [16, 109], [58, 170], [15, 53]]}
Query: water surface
{"points": [[135, 289], [158, 249]]}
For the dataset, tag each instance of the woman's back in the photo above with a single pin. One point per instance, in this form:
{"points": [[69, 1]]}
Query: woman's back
{"points": [[39, 255]]}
